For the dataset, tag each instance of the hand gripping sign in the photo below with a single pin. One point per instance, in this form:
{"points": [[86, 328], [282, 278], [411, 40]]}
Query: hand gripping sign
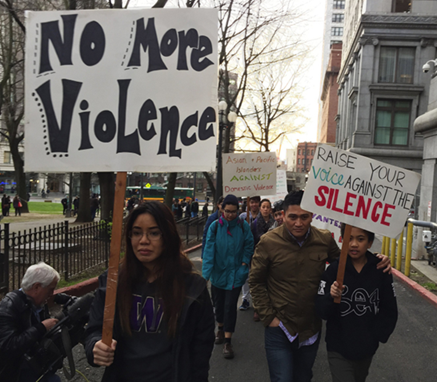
{"points": [[360, 192]]}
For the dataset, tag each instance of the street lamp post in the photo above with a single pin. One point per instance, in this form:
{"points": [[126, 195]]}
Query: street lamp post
{"points": [[223, 121]]}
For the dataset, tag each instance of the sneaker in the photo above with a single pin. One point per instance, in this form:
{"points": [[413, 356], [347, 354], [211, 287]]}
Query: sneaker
{"points": [[244, 305], [228, 352], [219, 337]]}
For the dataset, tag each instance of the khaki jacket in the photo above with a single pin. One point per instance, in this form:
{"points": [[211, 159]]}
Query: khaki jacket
{"points": [[284, 278]]}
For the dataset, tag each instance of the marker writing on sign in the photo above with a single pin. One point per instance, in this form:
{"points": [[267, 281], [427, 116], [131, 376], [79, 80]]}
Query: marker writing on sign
{"points": [[354, 205], [91, 44]]}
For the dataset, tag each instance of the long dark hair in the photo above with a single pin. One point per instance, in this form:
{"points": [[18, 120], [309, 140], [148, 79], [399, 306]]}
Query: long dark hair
{"points": [[170, 269]]}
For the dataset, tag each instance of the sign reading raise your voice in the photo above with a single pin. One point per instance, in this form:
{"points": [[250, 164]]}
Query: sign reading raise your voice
{"points": [[359, 191], [121, 90]]}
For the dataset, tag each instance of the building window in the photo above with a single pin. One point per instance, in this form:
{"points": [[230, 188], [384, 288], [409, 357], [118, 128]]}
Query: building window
{"points": [[337, 17], [338, 4], [303, 161], [7, 158], [402, 6], [298, 161], [303, 152], [298, 152], [392, 122], [312, 152], [336, 31], [396, 65]]}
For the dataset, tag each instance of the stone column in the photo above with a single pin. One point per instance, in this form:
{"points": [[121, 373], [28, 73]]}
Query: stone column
{"points": [[426, 124]]}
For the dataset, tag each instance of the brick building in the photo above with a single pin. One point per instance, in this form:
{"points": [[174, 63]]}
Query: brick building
{"points": [[304, 156], [329, 96]]}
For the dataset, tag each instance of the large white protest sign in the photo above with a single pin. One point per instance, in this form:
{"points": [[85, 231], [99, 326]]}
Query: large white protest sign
{"points": [[121, 90], [249, 174], [281, 187], [359, 191]]}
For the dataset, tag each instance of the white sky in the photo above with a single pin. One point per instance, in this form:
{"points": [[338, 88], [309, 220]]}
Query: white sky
{"points": [[313, 25]]}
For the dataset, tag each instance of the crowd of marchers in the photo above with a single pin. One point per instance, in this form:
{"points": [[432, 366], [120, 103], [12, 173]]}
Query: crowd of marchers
{"points": [[166, 324]]}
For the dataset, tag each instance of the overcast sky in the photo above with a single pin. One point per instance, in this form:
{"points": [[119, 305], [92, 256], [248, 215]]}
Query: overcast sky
{"points": [[314, 37]]}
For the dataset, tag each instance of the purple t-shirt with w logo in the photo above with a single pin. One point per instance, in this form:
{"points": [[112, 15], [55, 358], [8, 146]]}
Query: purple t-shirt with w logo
{"points": [[147, 353]]}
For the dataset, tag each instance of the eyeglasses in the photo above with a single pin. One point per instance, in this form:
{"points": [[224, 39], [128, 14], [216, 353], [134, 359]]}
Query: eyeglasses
{"points": [[227, 212], [137, 235]]}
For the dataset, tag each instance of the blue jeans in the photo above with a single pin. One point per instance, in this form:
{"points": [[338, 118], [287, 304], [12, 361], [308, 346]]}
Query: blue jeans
{"points": [[287, 362]]}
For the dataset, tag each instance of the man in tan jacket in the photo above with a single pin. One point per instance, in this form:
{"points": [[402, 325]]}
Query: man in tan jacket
{"points": [[287, 266]]}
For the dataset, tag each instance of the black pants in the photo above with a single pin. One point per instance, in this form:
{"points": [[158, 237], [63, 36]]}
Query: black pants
{"points": [[345, 370], [225, 303]]}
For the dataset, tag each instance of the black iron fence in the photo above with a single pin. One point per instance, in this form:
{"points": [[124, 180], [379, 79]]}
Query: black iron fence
{"points": [[70, 250], [191, 229]]}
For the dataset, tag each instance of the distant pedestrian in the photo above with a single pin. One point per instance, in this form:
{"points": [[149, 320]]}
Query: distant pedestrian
{"points": [[64, 203], [187, 212], [8, 205], [367, 313], [94, 204], [194, 208], [5, 205], [205, 210], [278, 214], [17, 205], [76, 202]]}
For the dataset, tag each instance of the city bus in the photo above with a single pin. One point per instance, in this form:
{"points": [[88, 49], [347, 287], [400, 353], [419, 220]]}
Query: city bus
{"points": [[158, 193]]}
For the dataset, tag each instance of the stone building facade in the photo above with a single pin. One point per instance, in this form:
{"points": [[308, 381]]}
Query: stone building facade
{"points": [[382, 88]]}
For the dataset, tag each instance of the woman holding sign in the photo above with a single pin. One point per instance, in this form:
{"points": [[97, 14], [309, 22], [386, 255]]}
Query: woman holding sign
{"points": [[366, 315], [164, 322]]}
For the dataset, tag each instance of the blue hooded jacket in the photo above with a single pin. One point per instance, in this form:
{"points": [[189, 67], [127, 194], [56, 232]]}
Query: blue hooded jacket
{"points": [[228, 245]]}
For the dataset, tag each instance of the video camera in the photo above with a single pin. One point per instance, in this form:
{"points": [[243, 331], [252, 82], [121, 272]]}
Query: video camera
{"points": [[57, 343]]}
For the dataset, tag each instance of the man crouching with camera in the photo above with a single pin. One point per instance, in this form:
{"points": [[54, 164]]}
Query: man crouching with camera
{"points": [[24, 320]]}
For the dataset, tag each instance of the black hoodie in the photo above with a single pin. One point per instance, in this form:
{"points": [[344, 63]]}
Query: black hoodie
{"points": [[367, 313]]}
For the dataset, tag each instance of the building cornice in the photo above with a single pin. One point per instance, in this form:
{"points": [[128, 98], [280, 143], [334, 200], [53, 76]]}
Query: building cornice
{"points": [[399, 20], [396, 88]]}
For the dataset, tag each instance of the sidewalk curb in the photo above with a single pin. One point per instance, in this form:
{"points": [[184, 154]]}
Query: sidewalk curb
{"points": [[90, 285], [431, 297]]}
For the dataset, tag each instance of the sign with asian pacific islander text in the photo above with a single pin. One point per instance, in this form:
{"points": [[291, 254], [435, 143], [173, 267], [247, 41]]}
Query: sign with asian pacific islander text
{"points": [[121, 90], [359, 191], [249, 174]]}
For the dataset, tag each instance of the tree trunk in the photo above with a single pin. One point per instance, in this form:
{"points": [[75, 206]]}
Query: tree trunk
{"points": [[170, 189], [211, 185], [107, 193], [84, 215]]}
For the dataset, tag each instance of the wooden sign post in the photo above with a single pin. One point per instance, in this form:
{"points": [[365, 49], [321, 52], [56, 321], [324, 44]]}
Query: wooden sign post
{"points": [[114, 258], [343, 258]]}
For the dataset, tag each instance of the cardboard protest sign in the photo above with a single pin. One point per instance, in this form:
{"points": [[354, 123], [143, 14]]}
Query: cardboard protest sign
{"points": [[281, 187], [359, 191], [121, 90], [332, 225], [249, 174]]}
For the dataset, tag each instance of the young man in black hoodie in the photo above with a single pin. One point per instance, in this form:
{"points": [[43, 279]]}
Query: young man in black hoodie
{"points": [[367, 313]]}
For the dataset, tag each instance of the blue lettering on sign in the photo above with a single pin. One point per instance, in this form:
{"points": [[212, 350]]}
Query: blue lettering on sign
{"points": [[148, 314]]}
